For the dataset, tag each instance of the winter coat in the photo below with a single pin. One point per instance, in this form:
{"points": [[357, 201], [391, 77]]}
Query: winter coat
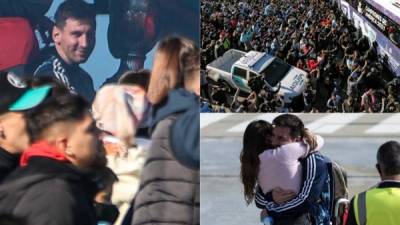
{"points": [[169, 190], [8, 163], [48, 192]]}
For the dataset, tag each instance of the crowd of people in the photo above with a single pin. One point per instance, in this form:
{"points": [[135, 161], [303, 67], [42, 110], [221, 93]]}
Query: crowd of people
{"points": [[128, 154], [285, 172], [345, 71]]}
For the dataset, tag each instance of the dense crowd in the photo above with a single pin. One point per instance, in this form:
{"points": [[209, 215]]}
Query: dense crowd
{"points": [[345, 71]]}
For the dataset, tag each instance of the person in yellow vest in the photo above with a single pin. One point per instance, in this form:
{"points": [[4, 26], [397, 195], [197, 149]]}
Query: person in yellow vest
{"points": [[380, 204]]}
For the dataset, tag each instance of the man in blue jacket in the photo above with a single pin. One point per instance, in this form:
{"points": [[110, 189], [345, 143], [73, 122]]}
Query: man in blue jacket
{"points": [[312, 204]]}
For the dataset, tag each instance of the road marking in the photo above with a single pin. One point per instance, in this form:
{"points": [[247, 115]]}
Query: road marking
{"points": [[209, 118], [389, 125], [242, 126], [332, 122]]}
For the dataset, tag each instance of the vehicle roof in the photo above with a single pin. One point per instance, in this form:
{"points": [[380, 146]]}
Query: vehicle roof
{"points": [[227, 60], [255, 60]]}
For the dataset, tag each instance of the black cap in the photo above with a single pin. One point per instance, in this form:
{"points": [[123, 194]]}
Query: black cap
{"points": [[11, 88]]}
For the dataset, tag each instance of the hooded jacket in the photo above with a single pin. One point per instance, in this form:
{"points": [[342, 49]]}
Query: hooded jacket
{"points": [[47, 192], [169, 190]]}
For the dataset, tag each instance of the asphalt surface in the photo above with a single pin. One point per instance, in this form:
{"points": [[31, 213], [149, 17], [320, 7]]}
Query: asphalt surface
{"points": [[326, 124]]}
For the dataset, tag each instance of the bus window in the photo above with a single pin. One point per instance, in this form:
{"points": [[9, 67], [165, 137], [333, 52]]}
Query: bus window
{"points": [[381, 24], [382, 21]]}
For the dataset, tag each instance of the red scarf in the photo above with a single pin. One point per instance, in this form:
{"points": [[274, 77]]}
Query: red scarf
{"points": [[43, 149]]}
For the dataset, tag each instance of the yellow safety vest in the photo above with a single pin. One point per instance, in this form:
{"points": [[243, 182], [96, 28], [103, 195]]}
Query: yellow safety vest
{"points": [[378, 206]]}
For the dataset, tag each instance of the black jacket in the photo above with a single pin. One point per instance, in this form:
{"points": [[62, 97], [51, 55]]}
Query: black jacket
{"points": [[48, 192], [8, 163], [73, 77]]}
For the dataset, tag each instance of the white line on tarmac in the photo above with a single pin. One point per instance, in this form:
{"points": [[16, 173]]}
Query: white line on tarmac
{"points": [[209, 118], [242, 126], [332, 122], [389, 125]]}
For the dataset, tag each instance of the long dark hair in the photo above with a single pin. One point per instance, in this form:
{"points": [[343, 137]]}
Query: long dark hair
{"points": [[255, 141]]}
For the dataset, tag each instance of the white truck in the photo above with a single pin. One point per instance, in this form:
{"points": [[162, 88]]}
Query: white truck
{"points": [[235, 68]]}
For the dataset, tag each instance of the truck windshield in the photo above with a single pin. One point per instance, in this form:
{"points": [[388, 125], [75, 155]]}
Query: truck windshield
{"points": [[275, 72]]}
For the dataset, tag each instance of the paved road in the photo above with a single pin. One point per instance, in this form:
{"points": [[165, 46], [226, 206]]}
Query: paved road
{"points": [[222, 199], [327, 124]]}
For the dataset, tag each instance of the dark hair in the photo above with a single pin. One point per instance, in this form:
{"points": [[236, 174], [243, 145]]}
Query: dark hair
{"points": [[55, 109], [388, 158], [140, 77], [104, 178], [292, 122], [76, 9], [254, 143], [58, 88]]}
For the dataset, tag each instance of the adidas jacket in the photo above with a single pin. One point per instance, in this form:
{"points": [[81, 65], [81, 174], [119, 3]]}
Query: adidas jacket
{"points": [[75, 78], [313, 198]]}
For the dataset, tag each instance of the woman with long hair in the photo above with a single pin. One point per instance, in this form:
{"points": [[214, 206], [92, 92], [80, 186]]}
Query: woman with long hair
{"points": [[273, 166], [255, 141], [169, 188]]}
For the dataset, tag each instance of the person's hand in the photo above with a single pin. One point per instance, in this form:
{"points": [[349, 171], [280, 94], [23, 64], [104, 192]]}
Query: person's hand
{"points": [[281, 196], [263, 214], [113, 146]]}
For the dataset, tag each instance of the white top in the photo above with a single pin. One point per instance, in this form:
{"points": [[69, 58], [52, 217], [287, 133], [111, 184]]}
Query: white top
{"points": [[280, 167]]}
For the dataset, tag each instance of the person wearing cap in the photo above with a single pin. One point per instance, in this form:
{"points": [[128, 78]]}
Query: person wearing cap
{"points": [[53, 184], [380, 204], [15, 98], [74, 40]]}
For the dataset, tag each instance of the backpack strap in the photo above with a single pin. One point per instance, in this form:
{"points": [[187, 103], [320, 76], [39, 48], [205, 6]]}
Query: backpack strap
{"points": [[342, 175], [329, 165]]}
